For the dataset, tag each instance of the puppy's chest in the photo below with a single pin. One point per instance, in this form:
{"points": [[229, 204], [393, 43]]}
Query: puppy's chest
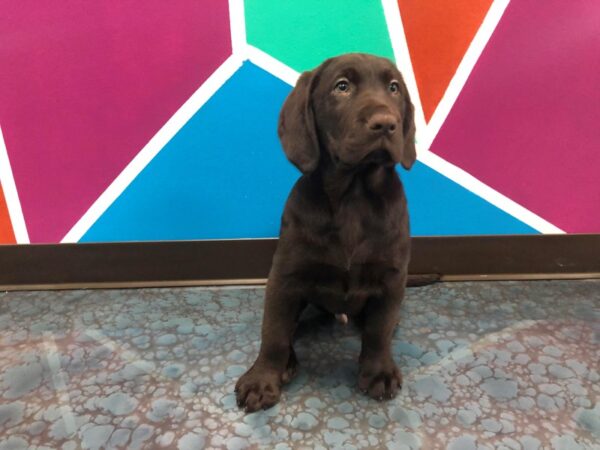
{"points": [[356, 227]]}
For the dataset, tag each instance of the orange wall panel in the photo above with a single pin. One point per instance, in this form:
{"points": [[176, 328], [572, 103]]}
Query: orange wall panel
{"points": [[7, 235], [439, 33]]}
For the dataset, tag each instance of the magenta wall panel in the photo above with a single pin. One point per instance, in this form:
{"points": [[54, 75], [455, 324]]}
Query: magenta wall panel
{"points": [[84, 86], [527, 122], [88, 85]]}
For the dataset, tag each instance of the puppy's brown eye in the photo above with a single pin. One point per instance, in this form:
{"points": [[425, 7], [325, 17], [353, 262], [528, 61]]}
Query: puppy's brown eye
{"points": [[342, 86], [394, 87]]}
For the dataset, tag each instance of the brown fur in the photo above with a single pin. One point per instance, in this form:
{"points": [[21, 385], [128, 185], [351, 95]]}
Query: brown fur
{"points": [[344, 242]]}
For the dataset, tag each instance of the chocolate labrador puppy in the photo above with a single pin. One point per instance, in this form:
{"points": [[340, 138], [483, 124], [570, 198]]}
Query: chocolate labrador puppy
{"points": [[344, 242]]}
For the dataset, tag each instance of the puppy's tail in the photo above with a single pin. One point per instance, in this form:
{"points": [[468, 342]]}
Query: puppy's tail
{"points": [[416, 280]]}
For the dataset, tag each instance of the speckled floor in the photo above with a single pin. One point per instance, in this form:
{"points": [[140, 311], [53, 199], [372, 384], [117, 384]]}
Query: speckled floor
{"points": [[495, 365]]}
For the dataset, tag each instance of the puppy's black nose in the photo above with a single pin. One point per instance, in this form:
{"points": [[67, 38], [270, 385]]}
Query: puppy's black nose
{"points": [[383, 123]]}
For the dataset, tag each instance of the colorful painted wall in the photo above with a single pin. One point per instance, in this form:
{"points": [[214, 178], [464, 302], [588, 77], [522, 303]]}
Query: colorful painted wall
{"points": [[117, 125]]}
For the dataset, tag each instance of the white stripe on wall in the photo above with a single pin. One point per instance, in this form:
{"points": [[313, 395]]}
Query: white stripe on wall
{"points": [[404, 63], [237, 26], [11, 195], [272, 65]]}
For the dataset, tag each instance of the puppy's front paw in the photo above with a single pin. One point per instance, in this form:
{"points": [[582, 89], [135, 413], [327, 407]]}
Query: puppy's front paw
{"points": [[380, 379], [258, 389]]}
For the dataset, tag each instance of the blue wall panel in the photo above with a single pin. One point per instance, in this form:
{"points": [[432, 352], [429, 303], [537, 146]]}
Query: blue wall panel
{"points": [[224, 175]]}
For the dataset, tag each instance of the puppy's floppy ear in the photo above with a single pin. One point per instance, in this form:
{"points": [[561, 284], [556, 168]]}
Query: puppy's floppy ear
{"points": [[409, 153], [297, 130]]}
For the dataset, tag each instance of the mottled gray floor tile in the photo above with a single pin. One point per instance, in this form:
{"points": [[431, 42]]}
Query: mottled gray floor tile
{"points": [[489, 365]]}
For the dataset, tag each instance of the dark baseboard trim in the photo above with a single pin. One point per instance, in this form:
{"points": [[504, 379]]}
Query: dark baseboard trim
{"points": [[247, 261]]}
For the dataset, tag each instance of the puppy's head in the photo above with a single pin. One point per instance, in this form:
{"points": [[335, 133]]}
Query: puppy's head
{"points": [[354, 109]]}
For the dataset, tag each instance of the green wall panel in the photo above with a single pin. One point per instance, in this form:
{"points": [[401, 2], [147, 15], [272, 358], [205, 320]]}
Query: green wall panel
{"points": [[303, 33]]}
